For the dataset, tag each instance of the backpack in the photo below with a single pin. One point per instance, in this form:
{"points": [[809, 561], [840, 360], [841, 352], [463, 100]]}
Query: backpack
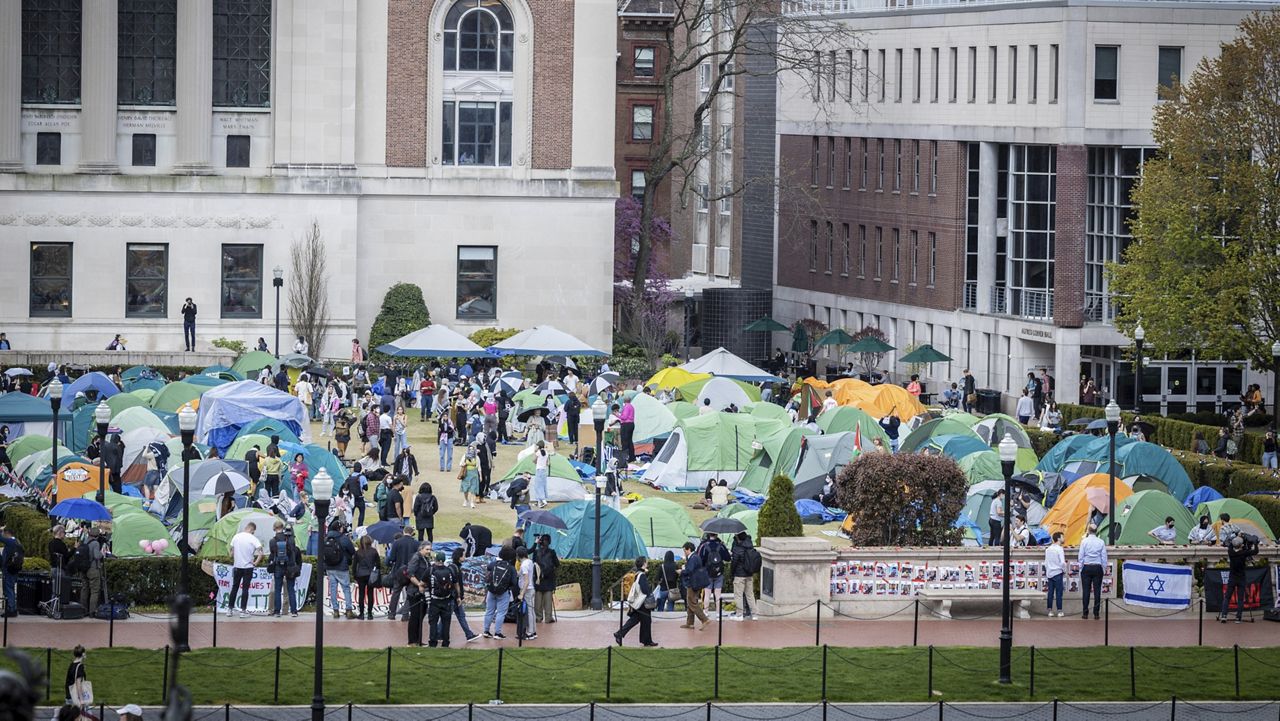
{"points": [[332, 553], [442, 582], [500, 578], [81, 560], [714, 563], [754, 561], [17, 555]]}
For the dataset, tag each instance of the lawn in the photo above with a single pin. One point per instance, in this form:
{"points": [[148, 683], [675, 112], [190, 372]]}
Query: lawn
{"points": [[533, 675]]}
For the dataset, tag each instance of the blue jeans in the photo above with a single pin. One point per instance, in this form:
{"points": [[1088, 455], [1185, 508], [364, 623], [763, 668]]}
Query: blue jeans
{"points": [[425, 404], [1269, 460], [189, 334], [283, 583], [446, 455], [539, 491], [11, 593], [495, 607], [460, 613], [339, 580], [1055, 591], [666, 601]]}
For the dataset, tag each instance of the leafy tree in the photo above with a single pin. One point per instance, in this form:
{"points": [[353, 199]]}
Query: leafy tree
{"points": [[1202, 272], [403, 311], [870, 361], [903, 500], [309, 289], [778, 516]]}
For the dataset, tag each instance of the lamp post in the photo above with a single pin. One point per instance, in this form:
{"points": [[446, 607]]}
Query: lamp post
{"points": [[321, 493], [688, 321], [1139, 335], [55, 402], [102, 417], [1008, 455], [596, 602], [1113, 425], [182, 601], [1275, 382], [277, 281], [598, 411]]}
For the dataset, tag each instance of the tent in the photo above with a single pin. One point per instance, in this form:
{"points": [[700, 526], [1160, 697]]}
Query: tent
{"points": [[75, 480], [1143, 511], [954, 447], [721, 362], [315, 457], [653, 419], [131, 527], [217, 543], [543, 340], [122, 401], [224, 372], [682, 409], [27, 445], [1147, 465], [993, 428], [731, 509], [227, 408], [878, 400], [673, 377], [434, 341], [751, 519], [778, 452], [95, 381], [132, 419], [558, 466], [661, 523], [618, 539], [139, 371], [175, 395], [714, 445], [1071, 513], [982, 466], [769, 411], [820, 456], [720, 391], [559, 489], [245, 443], [132, 385], [208, 381], [270, 427], [848, 418], [1244, 516], [917, 439], [1203, 494], [846, 391], [250, 363], [27, 415]]}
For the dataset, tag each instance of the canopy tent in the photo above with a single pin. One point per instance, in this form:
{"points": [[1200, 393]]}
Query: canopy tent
{"points": [[945, 426], [95, 381], [653, 419], [714, 445], [27, 445], [662, 524], [722, 392], [270, 427], [819, 457], [27, 415], [778, 452], [175, 395], [1203, 494], [1243, 515], [434, 341], [543, 340], [225, 409], [673, 377], [131, 527], [1147, 465], [1143, 511], [250, 363], [721, 362], [1075, 505], [849, 418], [618, 539]]}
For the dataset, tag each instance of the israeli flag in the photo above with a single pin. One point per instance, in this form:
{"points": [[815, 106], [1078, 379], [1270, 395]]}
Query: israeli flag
{"points": [[1157, 585]]}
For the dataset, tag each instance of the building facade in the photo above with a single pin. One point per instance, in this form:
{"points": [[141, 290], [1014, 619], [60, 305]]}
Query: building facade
{"points": [[974, 166], [155, 150]]}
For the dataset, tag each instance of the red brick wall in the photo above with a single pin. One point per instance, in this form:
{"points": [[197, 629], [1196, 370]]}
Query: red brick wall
{"points": [[552, 84], [407, 83], [630, 154], [1068, 266]]}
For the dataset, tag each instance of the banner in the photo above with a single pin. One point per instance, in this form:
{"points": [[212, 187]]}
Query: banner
{"points": [[260, 587], [1157, 585], [1258, 593], [909, 577]]}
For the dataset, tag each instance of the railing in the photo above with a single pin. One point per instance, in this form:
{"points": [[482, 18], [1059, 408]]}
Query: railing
{"points": [[1098, 308], [999, 300], [834, 7], [970, 295], [1036, 304]]}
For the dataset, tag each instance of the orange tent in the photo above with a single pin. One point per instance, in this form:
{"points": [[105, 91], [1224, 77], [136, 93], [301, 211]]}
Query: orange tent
{"points": [[1070, 513], [76, 479], [878, 400]]}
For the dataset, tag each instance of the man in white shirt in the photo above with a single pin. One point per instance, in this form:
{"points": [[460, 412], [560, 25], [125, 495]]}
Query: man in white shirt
{"points": [[303, 390], [995, 520], [246, 549], [1165, 534], [524, 577], [570, 381], [705, 408], [1092, 557], [828, 403], [301, 346], [1025, 409], [1055, 572], [384, 434]]}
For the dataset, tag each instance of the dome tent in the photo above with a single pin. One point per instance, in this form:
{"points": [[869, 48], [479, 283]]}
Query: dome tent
{"points": [[779, 452], [1075, 506], [916, 439], [1143, 511], [228, 407], [819, 457], [662, 524], [849, 418], [618, 539], [714, 445], [1243, 515]]}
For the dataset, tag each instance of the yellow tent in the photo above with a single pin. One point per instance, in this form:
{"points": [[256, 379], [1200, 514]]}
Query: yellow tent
{"points": [[673, 377], [1070, 513], [877, 400]]}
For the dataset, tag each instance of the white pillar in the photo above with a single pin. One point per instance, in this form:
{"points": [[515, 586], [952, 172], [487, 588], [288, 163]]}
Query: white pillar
{"points": [[988, 195], [10, 86], [194, 86], [98, 39], [371, 83]]}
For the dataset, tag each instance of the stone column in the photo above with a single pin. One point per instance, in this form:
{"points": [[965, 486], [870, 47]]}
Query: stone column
{"points": [[1069, 243], [194, 86], [371, 83], [98, 39], [10, 86], [988, 199], [796, 573]]}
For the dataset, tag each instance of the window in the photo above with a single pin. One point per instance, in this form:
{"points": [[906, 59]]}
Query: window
{"points": [[1106, 62], [50, 280], [637, 183], [879, 251], [915, 166], [1013, 74], [866, 75], [973, 74], [848, 163], [479, 133], [832, 71], [1033, 82], [933, 258], [704, 77], [831, 162], [726, 199], [642, 63], [880, 177], [897, 75], [813, 246], [704, 136], [917, 70], [897, 243], [862, 251], [479, 35], [146, 281], [704, 192], [238, 151], [815, 162], [831, 246], [477, 282], [241, 281], [915, 254], [844, 235], [933, 167], [848, 61], [144, 150], [992, 62], [883, 77], [242, 53], [935, 79], [897, 166], [954, 54], [1168, 68], [48, 148], [817, 75], [1053, 73], [146, 52], [51, 51], [862, 183], [642, 123]]}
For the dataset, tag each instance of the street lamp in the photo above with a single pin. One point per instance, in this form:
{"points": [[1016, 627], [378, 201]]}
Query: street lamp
{"points": [[1139, 335], [182, 601], [688, 321], [1113, 425], [1275, 382], [596, 602], [277, 281], [321, 493], [102, 417], [55, 401], [1008, 455], [598, 411]]}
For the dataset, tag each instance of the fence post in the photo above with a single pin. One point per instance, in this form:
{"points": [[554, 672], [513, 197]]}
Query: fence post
{"points": [[1235, 655], [1200, 629], [348, 711], [471, 707], [824, 709], [930, 671], [708, 711], [719, 621], [593, 711], [164, 688], [915, 623], [498, 694], [1055, 708], [608, 674], [6, 626], [48, 673], [111, 629], [226, 712], [717, 690], [817, 629], [1133, 676], [1106, 622], [276, 692], [939, 709], [1033, 673], [215, 622], [1173, 707], [388, 673], [824, 677]]}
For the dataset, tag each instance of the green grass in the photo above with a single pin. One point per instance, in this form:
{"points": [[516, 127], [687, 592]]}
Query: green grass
{"points": [[535, 675]]}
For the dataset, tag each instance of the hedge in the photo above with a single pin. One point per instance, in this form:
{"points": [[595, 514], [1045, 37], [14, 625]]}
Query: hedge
{"points": [[1269, 507], [1169, 433]]}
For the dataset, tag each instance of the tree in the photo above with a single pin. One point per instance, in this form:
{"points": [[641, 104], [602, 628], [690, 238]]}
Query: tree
{"points": [[1202, 272], [645, 315], [870, 361], [309, 289], [903, 500], [778, 516], [403, 311]]}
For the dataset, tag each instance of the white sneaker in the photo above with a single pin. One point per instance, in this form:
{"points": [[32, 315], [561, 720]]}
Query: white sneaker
{"points": [[243, 614], [230, 612]]}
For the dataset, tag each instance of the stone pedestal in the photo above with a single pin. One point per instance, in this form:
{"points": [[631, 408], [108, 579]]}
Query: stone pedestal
{"points": [[796, 573]]}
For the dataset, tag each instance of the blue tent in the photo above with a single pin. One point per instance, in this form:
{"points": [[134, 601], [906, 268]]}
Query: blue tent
{"points": [[271, 427], [618, 539], [83, 426], [26, 414], [226, 409], [813, 512], [1153, 466], [316, 457], [955, 446], [1062, 451], [96, 380], [1203, 494]]}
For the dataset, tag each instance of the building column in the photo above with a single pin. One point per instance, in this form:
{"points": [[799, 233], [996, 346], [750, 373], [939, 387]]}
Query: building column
{"points": [[98, 40], [1068, 264], [988, 199], [371, 83], [194, 86], [10, 86]]}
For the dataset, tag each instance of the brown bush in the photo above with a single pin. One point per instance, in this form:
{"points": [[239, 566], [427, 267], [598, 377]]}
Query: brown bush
{"points": [[903, 500]]}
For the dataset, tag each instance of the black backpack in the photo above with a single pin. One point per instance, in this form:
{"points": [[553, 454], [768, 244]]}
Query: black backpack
{"points": [[442, 582], [500, 578], [754, 561], [332, 553], [81, 560], [17, 556]]}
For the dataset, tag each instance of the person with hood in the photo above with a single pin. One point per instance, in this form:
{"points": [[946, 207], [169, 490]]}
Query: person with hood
{"points": [[714, 555], [484, 461], [696, 581], [668, 583], [637, 613], [418, 580], [338, 553], [113, 459], [425, 507], [744, 562], [545, 561], [405, 464]]}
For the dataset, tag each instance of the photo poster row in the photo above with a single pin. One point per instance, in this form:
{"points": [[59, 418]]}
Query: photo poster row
{"points": [[908, 578]]}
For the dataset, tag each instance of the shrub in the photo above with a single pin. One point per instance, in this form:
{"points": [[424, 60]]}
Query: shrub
{"points": [[403, 311], [903, 500], [1042, 441], [235, 346], [30, 527], [35, 564], [778, 516], [486, 337], [630, 368], [1269, 507]]}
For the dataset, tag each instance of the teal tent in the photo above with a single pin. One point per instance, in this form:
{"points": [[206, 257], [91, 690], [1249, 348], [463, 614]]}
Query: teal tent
{"points": [[1061, 452], [954, 447], [1149, 466], [618, 538], [269, 427], [916, 439], [316, 457], [138, 384]]}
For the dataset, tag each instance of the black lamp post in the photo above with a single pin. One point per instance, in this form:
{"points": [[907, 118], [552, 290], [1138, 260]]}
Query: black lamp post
{"points": [[1139, 335], [182, 601], [688, 321], [1275, 383], [1008, 455], [1113, 425], [102, 417], [321, 493], [55, 402], [277, 281], [598, 411]]}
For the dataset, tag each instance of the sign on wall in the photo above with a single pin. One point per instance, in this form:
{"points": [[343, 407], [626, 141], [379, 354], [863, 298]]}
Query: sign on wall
{"points": [[908, 578]]}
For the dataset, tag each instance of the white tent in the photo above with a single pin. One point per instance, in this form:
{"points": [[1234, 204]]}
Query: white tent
{"points": [[543, 340], [722, 392], [434, 341], [721, 362]]}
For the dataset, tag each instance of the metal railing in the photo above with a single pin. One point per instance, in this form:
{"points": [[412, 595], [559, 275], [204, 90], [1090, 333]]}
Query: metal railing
{"points": [[970, 300]]}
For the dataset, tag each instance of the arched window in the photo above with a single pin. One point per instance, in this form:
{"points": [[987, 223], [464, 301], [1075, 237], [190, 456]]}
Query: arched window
{"points": [[478, 35], [478, 88]]}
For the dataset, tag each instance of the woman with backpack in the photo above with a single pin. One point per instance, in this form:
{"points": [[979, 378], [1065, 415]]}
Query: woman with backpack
{"points": [[285, 565], [744, 562], [425, 507], [366, 562], [640, 605]]}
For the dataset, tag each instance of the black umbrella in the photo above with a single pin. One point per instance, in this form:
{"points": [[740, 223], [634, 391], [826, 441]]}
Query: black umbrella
{"points": [[1080, 422], [724, 526], [1097, 424], [320, 371], [524, 415], [544, 518]]}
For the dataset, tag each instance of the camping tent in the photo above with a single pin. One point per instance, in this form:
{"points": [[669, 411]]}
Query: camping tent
{"points": [[250, 363], [1147, 465], [820, 456], [714, 445], [77, 479], [653, 419], [1143, 511], [878, 400], [917, 439], [217, 543], [208, 381], [721, 362], [954, 447], [682, 409], [245, 443], [769, 411], [848, 418], [121, 401], [270, 427], [225, 409], [618, 539], [1243, 515], [982, 466], [1203, 494], [1062, 451], [96, 381], [27, 415], [27, 445], [779, 452], [722, 392], [558, 466], [315, 457], [993, 428], [131, 526], [175, 395], [132, 419], [661, 523], [1071, 513], [751, 519]]}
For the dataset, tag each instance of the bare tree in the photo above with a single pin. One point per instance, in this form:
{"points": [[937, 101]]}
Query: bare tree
{"points": [[309, 292]]}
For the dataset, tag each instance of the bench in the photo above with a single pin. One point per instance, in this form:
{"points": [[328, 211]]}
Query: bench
{"points": [[941, 598]]}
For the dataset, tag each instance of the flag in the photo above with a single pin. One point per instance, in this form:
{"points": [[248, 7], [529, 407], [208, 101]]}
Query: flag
{"points": [[857, 436], [1157, 585]]}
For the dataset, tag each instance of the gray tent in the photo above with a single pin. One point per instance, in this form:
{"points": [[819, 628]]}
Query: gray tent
{"points": [[819, 456]]}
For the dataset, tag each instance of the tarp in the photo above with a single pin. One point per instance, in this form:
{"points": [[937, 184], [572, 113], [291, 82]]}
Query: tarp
{"points": [[819, 456], [543, 340], [1143, 511], [653, 419], [436, 341], [1242, 514], [1070, 514], [618, 539], [225, 409], [1203, 494], [917, 439], [714, 445], [779, 452], [661, 523], [95, 380], [721, 362], [813, 512], [674, 377], [131, 527], [250, 363]]}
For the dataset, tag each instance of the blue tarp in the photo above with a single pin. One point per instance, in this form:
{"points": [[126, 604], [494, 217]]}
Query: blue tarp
{"points": [[585, 470], [813, 512], [224, 410], [1203, 494], [96, 380]]}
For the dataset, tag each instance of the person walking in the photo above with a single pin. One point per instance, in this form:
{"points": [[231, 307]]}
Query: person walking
{"points": [[459, 601], [353, 487], [425, 507], [668, 583], [406, 465], [272, 468], [541, 467], [969, 389], [418, 574], [1055, 572], [445, 438], [484, 461], [744, 563], [189, 325], [366, 563], [524, 595], [1238, 554], [246, 549], [403, 550], [714, 555], [1092, 558], [545, 562], [285, 565], [443, 588], [639, 613], [79, 690], [305, 394], [696, 581], [338, 554], [11, 561], [500, 579], [469, 477]]}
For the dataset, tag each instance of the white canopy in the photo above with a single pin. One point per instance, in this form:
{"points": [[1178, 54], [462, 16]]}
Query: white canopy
{"points": [[434, 341], [543, 340], [721, 362]]}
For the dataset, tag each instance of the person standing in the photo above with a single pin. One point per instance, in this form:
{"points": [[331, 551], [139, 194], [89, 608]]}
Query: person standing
{"points": [[1025, 408], [425, 507], [445, 439], [406, 465], [353, 487], [418, 575], [1055, 573], [1092, 557], [395, 502], [469, 478], [541, 467], [285, 565], [79, 692], [11, 561], [500, 579], [246, 549], [696, 581], [891, 425], [272, 468], [444, 592], [459, 601], [638, 611], [306, 395], [426, 395], [668, 583], [366, 561], [627, 421], [113, 459], [714, 555], [1269, 457], [94, 554], [4, 342], [745, 562], [546, 561], [385, 433], [995, 519], [357, 353], [572, 414], [969, 390], [484, 461], [403, 550], [189, 325], [338, 554], [1238, 554], [400, 429], [524, 594]]}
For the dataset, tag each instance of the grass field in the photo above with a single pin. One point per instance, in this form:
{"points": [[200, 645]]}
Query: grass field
{"points": [[533, 675]]}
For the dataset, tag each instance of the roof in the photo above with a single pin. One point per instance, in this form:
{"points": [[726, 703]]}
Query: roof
{"points": [[664, 8]]}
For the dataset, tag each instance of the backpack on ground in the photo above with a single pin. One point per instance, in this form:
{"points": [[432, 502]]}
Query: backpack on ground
{"points": [[753, 560], [500, 578], [17, 556], [332, 553], [442, 582]]}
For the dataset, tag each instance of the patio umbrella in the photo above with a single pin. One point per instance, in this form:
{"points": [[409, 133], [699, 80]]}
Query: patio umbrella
{"points": [[225, 482], [383, 532], [925, 354], [435, 341], [800, 340], [83, 509], [723, 525], [543, 340], [509, 382], [870, 344], [544, 518], [835, 336], [15, 372], [765, 325]]}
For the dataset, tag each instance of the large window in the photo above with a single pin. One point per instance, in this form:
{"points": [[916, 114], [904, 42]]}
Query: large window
{"points": [[50, 51], [242, 53], [478, 35], [478, 42], [477, 133], [637, 184], [51, 280], [477, 282], [642, 123], [1169, 68], [643, 63], [242, 281], [1112, 173], [1032, 200], [1106, 68], [146, 52], [146, 280]]}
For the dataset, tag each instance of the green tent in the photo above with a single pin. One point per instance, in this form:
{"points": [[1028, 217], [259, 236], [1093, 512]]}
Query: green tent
{"points": [[250, 363], [216, 543], [145, 394], [981, 466], [245, 443], [689, 391], [116, 501], [1147, 465], [751, 519], [769, 411], [661, 523], [130, 526], [618, 539], [558, 466], [779, 452], [136, 372], [653, 420], [131, 419], [849, 418], [175, 395], [966, 418], [206, 381], [121, 401], [917, 439], [1143, 511], [1243, 515], [731, 509], [713, 445], [682, 409], [223, 372], [27, 445], [993, 428], [141, 384]]}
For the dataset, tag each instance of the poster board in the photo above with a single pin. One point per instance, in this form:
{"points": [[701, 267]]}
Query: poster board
{"points": [[856, 579]]}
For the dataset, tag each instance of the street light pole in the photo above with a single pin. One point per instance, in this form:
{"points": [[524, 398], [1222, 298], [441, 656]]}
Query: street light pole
{"points": [[182, 601], [321, 493], [1275, 383], [597, 603], [688, 321], [1139, 336], [1113, 425], [102, 416], [55, 402], [277, 281], [1008, 455]]}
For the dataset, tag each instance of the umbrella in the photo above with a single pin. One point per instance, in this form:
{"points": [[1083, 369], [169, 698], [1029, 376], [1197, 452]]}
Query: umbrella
{"points": [[320, 371], [765, 325], [543, 340], [434, 341], [1145, 428], [610, 376], [225, 482], [800, 340], [925, 354], [383, 532], [544, 518], [296, 360], [836, 336], [547, 388], [15, 372], [1099, 498], [82, 509], [869, 344], [723, 525], [523, 415], [1097, 424], [509, 382], [1080, 422], [600, 384]]}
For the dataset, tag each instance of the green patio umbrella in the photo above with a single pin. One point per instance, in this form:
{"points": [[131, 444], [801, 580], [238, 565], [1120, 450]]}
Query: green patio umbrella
{"points": [[835, 336], [870, 344], [765, 325], [800, 341], [925, 354]]}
